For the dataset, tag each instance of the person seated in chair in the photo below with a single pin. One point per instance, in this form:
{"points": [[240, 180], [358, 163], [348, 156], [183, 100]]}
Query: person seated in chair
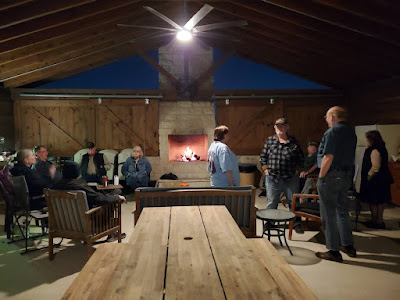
{"points": [[310, 167], [70, 181], [36, 183], [94, 165], [42, 165], [137, 169]]}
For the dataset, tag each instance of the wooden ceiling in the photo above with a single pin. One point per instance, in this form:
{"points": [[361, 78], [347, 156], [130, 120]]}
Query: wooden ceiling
{"points": [[338, 43]]}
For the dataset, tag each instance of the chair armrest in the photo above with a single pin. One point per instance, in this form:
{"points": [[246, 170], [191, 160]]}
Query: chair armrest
{"points": [[296, 196], [93, 210]]}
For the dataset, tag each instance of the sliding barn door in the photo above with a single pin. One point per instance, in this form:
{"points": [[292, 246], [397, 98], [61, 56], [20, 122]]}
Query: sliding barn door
{"points": [[65, 126], [250, 122]]}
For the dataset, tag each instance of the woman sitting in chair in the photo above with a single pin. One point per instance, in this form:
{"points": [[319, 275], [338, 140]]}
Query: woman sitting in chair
{"points": [[137, 169], [36, 183]]}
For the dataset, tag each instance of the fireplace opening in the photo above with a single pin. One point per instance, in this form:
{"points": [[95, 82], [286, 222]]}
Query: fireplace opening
{"points": [[188, 148]]}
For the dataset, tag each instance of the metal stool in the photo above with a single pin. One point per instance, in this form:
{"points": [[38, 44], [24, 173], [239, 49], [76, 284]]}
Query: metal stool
{"points": [[272, 219]]}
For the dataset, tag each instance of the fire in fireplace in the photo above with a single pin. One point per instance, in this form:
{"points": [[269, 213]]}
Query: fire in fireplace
{"points": [[187, 148]]}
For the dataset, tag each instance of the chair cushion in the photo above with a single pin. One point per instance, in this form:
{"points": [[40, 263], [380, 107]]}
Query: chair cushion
{"points": [[311, 208], [110, 155], [78, 155]]}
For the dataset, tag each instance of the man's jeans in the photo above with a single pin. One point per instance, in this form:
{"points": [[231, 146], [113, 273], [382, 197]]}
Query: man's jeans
{"points": [[274, 189], [332, 190]]}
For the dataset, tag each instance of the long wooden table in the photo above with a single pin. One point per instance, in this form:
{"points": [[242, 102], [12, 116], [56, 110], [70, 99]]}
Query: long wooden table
{"points": [[190, 252]]}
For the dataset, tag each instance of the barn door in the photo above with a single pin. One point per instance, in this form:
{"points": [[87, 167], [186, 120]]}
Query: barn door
{"points": [[250, 122]]}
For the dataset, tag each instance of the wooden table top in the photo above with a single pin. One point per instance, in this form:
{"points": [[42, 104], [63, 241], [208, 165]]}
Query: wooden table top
{"points": [[101, 187], [190, 252]]}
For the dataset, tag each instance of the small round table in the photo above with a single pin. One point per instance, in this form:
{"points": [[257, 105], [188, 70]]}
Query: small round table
{"points": [[272, 219]]}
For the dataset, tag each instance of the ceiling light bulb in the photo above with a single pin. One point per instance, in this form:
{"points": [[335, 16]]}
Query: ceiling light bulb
{"points": [[184, 35]]}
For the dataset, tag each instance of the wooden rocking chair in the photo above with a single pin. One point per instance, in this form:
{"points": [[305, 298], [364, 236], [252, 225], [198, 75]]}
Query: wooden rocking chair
{"points": [[70, 217]]}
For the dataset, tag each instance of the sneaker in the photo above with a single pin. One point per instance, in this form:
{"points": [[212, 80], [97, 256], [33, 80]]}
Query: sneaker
{"points": [[330, 255], [299, 229], [114, 237], [349, 250]]}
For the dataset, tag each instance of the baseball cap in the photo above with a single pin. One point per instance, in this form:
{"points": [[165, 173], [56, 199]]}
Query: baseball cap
{"points": [[281, 121]]}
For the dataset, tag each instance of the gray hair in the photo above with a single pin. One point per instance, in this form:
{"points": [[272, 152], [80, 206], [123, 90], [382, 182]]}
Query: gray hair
{"points": [[22, 154]]}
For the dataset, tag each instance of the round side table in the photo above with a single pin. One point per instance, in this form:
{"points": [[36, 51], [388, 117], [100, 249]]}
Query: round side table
{"points": [[272, 219]]}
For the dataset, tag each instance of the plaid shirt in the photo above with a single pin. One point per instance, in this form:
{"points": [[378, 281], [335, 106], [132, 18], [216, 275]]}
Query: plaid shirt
{"points": [[281, 159]]}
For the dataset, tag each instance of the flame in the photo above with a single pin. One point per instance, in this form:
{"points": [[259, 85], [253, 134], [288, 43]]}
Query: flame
{"points": [[189, 155]]}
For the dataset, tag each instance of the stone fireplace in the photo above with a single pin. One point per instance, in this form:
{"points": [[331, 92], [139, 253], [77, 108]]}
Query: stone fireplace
{"points": [[184, 118]]}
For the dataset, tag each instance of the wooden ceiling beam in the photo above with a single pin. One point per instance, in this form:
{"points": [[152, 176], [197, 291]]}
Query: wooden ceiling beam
{"points": [[61, 18], [97, 40], [83, 63], [37, 9], [334, 39], [319, 51], [7, 4], [61, 36], [370, 10], [340, 19], [65, 53]]}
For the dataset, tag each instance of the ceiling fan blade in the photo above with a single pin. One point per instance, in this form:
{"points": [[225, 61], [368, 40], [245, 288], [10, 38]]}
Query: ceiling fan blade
{"points": [[220, 25], [149, 27], [198, 16], [165, 18], [151, 36], [214, 35]]}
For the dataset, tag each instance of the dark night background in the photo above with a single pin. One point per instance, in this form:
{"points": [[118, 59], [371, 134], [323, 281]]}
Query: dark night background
{"points": [[135, 73]]}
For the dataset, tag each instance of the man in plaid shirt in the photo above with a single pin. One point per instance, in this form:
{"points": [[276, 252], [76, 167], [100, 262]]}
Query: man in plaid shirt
{"points": [[279, 158]]}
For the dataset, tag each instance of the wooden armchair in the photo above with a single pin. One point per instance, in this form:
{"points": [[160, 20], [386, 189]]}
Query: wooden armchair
{"points": [[70, 217], [308, 210]]}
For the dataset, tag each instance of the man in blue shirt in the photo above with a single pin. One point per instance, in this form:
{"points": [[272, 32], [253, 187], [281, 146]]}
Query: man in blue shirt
{"points": [[335, 159]]}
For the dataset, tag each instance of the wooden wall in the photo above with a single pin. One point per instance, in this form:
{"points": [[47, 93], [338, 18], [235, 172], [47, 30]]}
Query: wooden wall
{"points": [[378, 103], [65, 126], [252, 121], [6, 120]]}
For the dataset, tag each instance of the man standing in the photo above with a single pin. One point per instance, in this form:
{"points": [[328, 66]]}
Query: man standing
{"points": [[94, 165], [335, 159], [279, 158], [43, 166]]}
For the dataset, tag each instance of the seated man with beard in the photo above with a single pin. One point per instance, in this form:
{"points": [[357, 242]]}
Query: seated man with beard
{"points": [[70, 181]]}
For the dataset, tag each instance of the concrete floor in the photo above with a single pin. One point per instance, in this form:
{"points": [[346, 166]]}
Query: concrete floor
{"points": [[374, 274]]}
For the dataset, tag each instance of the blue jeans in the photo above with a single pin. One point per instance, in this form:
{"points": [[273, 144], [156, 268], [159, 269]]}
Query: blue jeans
{"points": [[274, 189], [332, 190]]}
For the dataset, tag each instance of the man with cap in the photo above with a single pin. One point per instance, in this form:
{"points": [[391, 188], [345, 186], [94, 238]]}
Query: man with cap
{"points": [[70, 181], [279, 159], [335, 158], [94, 165]]}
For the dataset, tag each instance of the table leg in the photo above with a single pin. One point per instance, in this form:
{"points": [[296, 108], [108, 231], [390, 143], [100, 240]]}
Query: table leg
{"points": [[284, 236]]}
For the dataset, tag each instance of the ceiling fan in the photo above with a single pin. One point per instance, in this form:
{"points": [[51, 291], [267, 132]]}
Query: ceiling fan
{"points": [[189, 30]]}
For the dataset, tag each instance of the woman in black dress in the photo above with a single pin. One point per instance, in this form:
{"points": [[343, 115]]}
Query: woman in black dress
{"points": [[375, 178]]}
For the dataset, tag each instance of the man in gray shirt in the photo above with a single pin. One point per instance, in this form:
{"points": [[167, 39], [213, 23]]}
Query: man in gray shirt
{"points": [[335, 159]]}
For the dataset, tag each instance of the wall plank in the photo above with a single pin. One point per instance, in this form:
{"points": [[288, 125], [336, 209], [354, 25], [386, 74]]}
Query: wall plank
{"points": [[65, 127]]}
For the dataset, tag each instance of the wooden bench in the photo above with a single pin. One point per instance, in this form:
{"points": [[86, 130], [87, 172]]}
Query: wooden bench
{"points": [[195, 252], [240, 202]]}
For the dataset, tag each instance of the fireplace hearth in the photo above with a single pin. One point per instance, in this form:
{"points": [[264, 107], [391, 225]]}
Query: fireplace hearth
{"points": [[187, 148]]}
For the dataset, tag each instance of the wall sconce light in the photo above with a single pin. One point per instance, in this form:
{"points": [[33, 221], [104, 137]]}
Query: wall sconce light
{"points": [[99, 100], [227, 101], [271, 100], [147, 101]]}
